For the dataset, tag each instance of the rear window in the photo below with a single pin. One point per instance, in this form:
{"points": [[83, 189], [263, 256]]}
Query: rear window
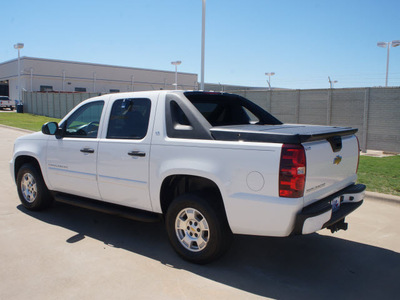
{"points": [[226, 109], [4, 98]]}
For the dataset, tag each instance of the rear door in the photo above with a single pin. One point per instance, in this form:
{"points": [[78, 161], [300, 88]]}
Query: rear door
{"points": [[124, 152]]}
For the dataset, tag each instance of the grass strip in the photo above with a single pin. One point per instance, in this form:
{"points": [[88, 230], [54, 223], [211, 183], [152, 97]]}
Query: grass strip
{"points": [[380, 174], [25, 121]]}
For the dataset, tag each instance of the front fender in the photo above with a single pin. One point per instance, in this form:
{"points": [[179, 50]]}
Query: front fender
{"points": [[26, 148]]}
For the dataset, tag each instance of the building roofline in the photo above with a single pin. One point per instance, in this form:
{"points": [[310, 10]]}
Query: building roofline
{"points": [[91, 64]]}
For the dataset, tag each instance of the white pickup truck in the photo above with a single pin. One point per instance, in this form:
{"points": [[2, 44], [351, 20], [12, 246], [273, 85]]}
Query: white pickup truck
{"points": [[5, 102], [209, 164]]}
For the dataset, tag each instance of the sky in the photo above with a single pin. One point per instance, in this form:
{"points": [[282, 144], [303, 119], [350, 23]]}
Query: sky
{"points": [[303, 42]]}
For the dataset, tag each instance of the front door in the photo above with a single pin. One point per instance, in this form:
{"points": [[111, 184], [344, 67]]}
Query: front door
{"points": [[71, 160]]}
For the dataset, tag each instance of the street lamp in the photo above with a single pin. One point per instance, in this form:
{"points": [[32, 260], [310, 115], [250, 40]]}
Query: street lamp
{"points": [[331, 83], [269, 78], [388, 45], [19, 46], [203, 37], [176, 64]]}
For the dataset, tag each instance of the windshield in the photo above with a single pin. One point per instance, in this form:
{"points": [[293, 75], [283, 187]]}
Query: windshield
{"points": [[227, 109]]}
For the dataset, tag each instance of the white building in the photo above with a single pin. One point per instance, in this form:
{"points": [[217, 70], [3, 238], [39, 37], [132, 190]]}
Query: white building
{"points": [[38, 74]]}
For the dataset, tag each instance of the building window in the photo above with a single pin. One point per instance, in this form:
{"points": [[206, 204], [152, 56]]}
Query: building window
{"points": [[80, 89], [114, 91], [46, 88]]}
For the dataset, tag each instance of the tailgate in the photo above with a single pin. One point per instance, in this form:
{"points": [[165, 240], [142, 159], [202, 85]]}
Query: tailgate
{"points": [[5, 102], [329, 168]]}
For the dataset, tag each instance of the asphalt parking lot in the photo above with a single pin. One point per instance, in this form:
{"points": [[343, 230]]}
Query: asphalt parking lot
{"points": [[68, 253]]}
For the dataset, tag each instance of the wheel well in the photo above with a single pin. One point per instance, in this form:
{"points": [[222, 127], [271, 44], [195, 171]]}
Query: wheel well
{"points": [[176, 185], [21, 160]]}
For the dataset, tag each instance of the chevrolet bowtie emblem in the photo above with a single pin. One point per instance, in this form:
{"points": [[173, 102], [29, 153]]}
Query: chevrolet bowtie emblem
{"points": [[337, 160]]}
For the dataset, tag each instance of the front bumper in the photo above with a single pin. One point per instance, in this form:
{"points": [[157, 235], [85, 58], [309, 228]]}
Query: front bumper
{"points": [[320, 214]]}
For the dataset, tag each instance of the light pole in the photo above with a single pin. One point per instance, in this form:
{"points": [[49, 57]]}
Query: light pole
{"points": [[19, 46], [176, 64], [31, 70], [94, 82], [388, 45], [269, 78], [203, 38], [63, 80], [331, 83]]}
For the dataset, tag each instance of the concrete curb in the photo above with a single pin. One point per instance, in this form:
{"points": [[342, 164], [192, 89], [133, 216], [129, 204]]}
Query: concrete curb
{"points": [[16, 128], [383, 197]]}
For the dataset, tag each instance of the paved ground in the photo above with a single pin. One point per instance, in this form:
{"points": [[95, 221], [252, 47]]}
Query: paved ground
{"points": [[69, 253]]}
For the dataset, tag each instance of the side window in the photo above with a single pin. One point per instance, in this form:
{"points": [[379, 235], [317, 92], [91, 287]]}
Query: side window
{"points": [[253, 118], [129, 119], [178, 116], [84, 123]]}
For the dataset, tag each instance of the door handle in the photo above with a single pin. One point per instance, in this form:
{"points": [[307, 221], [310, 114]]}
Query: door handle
{"points": [[137, 153], [87, 150]]}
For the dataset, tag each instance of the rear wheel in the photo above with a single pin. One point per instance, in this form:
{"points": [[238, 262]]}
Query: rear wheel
{"points": [[197, 228], [32, 190]]}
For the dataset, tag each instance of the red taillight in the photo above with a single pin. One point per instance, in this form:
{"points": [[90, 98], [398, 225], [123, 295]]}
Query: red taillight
{"points": [[292, 171]]}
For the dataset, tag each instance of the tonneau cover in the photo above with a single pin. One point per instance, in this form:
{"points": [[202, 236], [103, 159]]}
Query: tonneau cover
{"points": [[283, 133]]}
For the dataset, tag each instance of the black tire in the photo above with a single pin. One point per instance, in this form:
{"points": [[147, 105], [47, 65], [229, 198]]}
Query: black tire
{"points": [[32, 190], [203, 243]]}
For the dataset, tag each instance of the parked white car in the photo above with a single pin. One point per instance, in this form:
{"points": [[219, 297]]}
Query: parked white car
{"points": [[209, 164], [5, 102]]}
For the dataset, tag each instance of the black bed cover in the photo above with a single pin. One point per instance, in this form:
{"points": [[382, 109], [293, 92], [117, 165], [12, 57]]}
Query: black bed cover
{"points": [[283, 133]]}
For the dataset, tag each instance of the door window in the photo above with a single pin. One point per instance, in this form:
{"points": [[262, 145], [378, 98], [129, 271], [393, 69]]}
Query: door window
{"points": [[129, 119], [84, 123]]}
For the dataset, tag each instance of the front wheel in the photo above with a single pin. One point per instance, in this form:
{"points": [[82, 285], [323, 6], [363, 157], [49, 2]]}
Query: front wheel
{"points": [[32, 190], [197, 228]]}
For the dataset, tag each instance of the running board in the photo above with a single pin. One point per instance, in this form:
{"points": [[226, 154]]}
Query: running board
{"points": [[109, 208]]}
